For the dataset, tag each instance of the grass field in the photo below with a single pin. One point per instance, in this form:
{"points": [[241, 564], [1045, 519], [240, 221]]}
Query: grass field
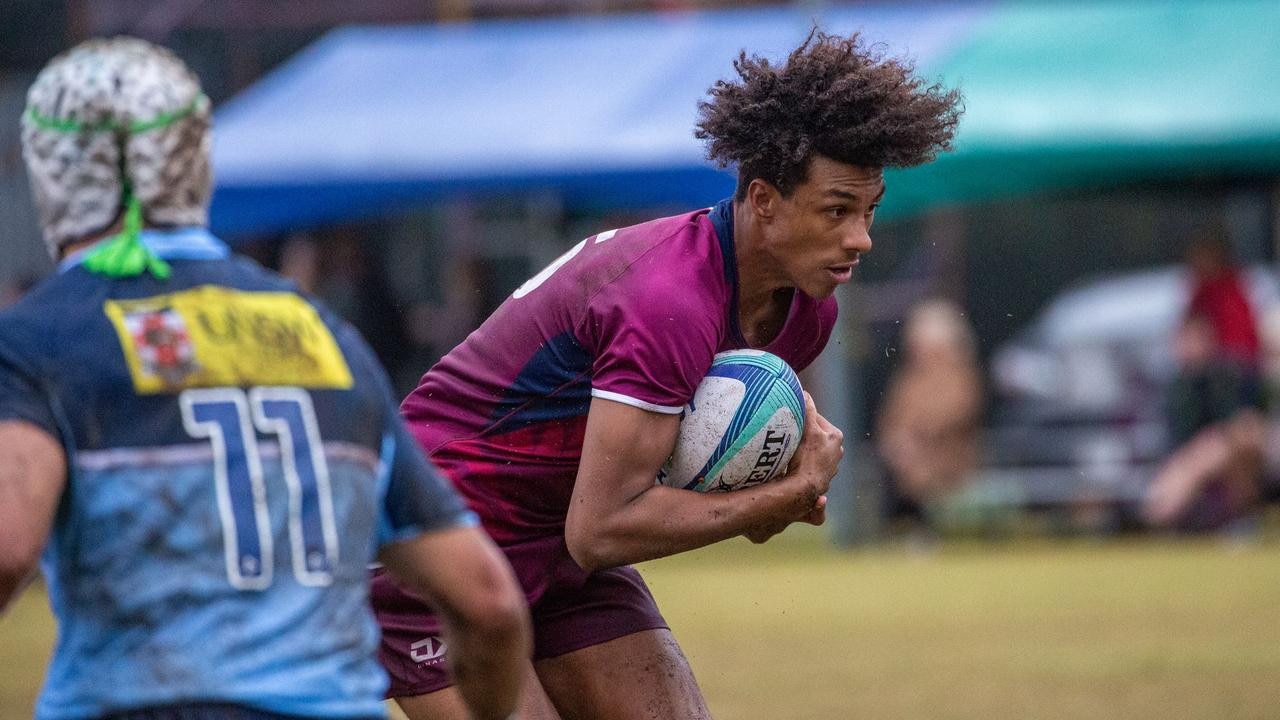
{"points": [[795, 630]]}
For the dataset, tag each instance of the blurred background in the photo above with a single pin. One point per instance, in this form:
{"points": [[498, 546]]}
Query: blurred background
{"points": [[1060, 361]]}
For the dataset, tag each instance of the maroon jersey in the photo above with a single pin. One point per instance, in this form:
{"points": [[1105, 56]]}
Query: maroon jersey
{"points": [[632, 315]]}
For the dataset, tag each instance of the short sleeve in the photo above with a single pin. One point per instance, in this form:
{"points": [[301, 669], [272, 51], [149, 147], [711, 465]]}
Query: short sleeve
{"points": [[22, 396], [652, 347]]}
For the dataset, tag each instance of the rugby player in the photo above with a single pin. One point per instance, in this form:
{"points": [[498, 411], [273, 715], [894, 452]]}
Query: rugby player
{"points": [[554, 417], [212, 458]]}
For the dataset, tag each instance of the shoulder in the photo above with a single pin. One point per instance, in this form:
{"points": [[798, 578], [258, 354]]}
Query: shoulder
{"points": [[671, 266], [657, 310], [57, 290], [29, 325], [235, 271]]}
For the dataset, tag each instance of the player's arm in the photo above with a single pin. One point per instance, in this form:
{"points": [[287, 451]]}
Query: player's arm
{"points": [[619, 514], [467, 580], [33, 472]]}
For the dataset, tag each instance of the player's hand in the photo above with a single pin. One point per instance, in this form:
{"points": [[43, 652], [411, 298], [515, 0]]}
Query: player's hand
{"points": [[818, 456], [811, 470], [812, 467], [816, 515]]}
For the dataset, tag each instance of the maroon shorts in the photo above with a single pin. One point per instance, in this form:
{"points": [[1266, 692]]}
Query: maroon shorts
{"points": [[571, 609]]}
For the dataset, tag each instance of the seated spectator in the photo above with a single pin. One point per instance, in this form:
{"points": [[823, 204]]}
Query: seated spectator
{"points": [[1212, 478], [927, 431], [1216, 426]]}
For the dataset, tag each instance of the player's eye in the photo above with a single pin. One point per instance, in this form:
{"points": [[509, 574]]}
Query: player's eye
{"points": [[837, 212], [872, 210]]}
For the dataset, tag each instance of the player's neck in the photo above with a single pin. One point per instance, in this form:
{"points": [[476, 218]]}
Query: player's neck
{"points": [[78, 245]]}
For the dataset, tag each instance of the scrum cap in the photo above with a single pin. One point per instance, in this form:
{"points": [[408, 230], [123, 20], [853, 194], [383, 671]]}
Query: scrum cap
{"points": [[112, 125]]}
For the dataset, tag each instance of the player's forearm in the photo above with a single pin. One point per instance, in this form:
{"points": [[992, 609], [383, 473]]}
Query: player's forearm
{"points": [[10, 584], [488, 664], [32, 474], [19, 555], [464, 576], [664, 521]]}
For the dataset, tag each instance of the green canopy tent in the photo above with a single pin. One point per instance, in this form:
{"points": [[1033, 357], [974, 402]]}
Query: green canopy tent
{"points": [[1089, 94]]}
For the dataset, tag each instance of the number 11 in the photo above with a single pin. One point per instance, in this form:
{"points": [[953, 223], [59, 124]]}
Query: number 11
{"points": [[228, 417]]}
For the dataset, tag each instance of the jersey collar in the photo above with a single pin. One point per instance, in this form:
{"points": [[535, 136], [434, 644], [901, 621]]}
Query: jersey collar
{"points": [[184, 243], [721, 216]]}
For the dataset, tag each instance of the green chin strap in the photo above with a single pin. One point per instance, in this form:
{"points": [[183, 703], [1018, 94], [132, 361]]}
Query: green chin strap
{"points": [[124, 255]]}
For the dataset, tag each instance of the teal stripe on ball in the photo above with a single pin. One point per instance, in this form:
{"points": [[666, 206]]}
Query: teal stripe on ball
{"points": [[756, 380], [766, 361], [763, 398]]}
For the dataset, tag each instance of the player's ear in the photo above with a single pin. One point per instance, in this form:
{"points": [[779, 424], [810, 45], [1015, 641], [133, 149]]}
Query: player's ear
{"points": [[763, 198]]}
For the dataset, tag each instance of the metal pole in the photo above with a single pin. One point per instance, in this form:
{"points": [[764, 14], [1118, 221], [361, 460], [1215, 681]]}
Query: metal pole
{"points": [[835, 381]]}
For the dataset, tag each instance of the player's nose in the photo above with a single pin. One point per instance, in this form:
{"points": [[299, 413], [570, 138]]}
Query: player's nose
{"points": [[856, 239]]}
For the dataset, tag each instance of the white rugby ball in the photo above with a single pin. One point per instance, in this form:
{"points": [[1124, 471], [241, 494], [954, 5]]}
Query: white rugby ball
{"points": [[742, 426]]}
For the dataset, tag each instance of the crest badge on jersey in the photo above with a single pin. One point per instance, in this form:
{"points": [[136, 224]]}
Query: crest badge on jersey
{"points": [[163, 344]]}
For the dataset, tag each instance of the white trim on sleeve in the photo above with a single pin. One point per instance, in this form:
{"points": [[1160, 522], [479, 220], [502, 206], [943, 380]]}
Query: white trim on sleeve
{"points": [[628, 400]]}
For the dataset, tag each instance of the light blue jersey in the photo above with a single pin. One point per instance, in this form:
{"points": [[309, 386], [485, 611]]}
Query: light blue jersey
{"points": [[235, 460]]}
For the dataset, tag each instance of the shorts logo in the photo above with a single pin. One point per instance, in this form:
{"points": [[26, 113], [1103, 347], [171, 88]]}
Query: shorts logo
{"points": [[427, 650]]}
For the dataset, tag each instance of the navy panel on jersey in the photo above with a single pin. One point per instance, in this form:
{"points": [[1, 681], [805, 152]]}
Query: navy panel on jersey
{"points": [[555, 384]]}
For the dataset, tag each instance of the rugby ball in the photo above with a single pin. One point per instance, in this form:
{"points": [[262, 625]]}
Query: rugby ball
{"points": [[742, 426]]}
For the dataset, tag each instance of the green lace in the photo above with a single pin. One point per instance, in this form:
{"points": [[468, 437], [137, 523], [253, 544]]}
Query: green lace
{"points": [[132, 127], [124, 255]]}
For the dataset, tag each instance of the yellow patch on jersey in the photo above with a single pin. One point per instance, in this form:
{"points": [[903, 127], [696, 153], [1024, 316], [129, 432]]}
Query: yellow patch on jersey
{"points": [[212, 336]]}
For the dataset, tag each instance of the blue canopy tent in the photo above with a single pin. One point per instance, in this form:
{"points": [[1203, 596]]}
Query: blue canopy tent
{"points": [[600, 110]]}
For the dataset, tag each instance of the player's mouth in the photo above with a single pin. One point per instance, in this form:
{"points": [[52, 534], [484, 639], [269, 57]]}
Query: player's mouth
{"points": [[842, 273]]}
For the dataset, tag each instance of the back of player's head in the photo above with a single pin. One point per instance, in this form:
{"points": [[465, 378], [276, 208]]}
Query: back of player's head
{"points": [[833, 97], [114, 119]]}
